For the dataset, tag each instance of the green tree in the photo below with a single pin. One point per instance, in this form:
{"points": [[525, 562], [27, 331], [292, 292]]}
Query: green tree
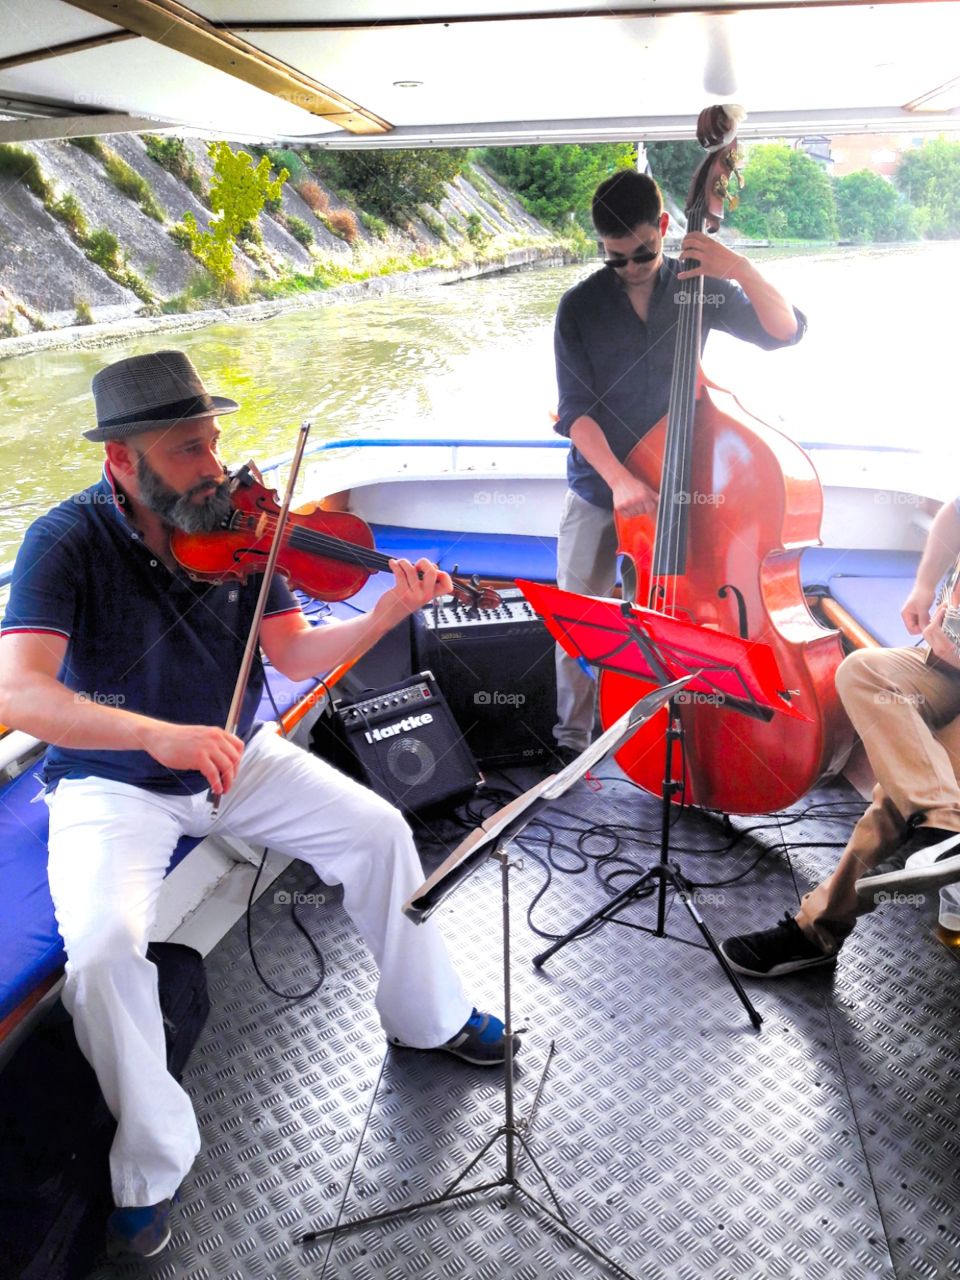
{"points": [[929, 177], [237, 193], [786, 194], [869, 208], [673, 164], [556, 182], [394, 183]]}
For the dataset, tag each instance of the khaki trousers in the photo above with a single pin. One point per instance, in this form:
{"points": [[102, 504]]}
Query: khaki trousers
{"points": [[908, 715], [587, 565]]}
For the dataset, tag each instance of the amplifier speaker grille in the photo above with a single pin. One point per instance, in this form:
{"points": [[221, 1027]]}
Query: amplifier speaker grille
{"points": [[498, 672], [402, 742]]}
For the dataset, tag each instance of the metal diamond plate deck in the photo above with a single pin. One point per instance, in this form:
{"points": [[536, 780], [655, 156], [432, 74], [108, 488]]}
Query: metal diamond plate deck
{"points": [[689, 1146]]}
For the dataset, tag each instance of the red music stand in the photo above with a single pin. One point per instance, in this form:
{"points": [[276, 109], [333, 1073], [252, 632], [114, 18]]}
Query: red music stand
{"points": [[621, 637], [617, 636]]}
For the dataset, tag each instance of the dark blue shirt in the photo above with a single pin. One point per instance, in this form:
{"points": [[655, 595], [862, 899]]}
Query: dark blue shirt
{"points": [[615, 368], [138, 636]]}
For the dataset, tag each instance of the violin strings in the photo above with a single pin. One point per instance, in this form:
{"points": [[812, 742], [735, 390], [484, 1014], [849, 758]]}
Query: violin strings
{"points": [[313, 540]]}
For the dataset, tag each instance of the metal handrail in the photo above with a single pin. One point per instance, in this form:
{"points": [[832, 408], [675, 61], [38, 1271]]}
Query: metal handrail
{"points": [[394, 442]]}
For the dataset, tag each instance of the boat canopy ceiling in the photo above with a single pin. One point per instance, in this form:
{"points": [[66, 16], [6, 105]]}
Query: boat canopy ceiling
{"points": [[382, 73]]}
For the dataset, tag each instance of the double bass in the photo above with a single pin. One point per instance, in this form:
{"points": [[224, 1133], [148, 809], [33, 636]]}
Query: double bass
{"points": [[739, 501]]}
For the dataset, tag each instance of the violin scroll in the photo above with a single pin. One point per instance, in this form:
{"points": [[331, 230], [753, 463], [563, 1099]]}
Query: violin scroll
{"points": [[471, 593]]}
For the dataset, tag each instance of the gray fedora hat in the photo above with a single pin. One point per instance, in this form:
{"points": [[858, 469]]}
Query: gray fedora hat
{"points": [[155, 390]]}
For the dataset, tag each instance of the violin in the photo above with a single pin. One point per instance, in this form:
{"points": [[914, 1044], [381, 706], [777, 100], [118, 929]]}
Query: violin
{"points": [[326, 554], [731, 563]]}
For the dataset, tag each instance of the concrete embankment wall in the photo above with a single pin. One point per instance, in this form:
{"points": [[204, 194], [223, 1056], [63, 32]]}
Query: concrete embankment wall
{"points": [[92, 337], [46, 275]]}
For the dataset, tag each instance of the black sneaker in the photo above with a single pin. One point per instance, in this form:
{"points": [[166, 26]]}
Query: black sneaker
{"points": [[566, 755], [932, 859], [771, 953]]}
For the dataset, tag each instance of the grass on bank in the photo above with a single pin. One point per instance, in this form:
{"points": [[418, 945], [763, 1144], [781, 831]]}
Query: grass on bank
{"points": [[367, 261], [172, 154], [101, 246], [126, 179]]}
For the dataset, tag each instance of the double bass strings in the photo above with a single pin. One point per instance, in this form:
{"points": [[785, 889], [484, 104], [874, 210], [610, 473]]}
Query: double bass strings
{"points": [[673, 512]]}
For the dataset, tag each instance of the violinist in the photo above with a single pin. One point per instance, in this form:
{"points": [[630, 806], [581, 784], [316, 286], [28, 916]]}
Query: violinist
{"points": [[905, 704], [614, 345], [126, 667]]}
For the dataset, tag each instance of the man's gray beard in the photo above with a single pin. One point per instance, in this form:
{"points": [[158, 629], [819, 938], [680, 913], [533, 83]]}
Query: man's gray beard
{"points": [[179, 509]]}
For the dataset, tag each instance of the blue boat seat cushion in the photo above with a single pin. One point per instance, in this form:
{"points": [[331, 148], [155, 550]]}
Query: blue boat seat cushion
{"points": [[488, 555], [870, 585], [31, 948]]}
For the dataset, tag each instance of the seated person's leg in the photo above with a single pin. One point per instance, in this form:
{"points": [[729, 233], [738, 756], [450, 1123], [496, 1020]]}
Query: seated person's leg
{"points": [[904, 711], [930, 852], [827, 913], [109, 846], [294, 802]]}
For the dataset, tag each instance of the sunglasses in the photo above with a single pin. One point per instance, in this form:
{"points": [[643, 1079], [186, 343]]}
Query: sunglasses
{"points": [[641, 255]]}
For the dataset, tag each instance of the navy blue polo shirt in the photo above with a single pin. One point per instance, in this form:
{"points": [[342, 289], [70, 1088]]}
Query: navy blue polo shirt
{"points": [[138, 636], [615, 368]]}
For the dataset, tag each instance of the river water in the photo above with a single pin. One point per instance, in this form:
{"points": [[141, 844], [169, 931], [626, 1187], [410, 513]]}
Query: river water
{"points": [[476, 358]]}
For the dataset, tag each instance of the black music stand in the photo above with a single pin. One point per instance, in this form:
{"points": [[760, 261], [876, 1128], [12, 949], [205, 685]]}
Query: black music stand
{"points": [[641, 642], [491, 840]]}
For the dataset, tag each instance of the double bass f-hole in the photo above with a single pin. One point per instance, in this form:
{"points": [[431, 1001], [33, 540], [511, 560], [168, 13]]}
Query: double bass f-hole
{"points": [[742, 627], [658, 596]]}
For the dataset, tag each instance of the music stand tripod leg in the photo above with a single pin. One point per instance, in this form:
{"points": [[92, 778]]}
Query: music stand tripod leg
{"points": [[658, 871], [682, 887], [600, 916], [665, 872], [509, 1130]]}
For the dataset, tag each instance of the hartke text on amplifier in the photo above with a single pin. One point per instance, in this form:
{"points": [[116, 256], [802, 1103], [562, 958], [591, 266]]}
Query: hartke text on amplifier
{"points": [[401, 741]]}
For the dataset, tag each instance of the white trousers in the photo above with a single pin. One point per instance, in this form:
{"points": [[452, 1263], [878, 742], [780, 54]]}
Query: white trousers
{"points": [[109, 846], [587, 565]]}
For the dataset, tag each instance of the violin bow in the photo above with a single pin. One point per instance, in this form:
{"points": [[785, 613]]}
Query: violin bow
{"points": [[246, 665]]}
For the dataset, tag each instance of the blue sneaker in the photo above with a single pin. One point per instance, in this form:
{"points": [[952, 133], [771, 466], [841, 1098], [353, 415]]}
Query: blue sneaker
{"points": [[480, 1041], [145, 1230]]}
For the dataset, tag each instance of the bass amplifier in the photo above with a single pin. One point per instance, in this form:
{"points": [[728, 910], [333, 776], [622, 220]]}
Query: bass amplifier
{"points": [[498, 671], [402, 742]]}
